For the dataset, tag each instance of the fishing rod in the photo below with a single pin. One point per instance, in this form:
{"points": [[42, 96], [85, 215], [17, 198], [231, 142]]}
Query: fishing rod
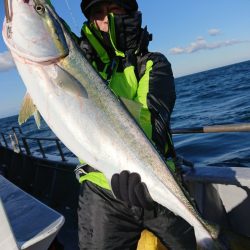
{"points": [[243, 127]]}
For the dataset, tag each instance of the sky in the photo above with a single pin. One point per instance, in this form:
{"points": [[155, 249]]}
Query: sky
{"points": [[194, 35]]}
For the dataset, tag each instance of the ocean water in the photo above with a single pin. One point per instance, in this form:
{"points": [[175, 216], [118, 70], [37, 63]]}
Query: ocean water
{"points": [[218, 96]]}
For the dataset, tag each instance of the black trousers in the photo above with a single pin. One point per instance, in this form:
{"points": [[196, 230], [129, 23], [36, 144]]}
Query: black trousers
{"points": [[106, 223]]}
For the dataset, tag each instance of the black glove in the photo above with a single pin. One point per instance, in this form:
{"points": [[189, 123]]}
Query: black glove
{"points": [[129, 188]]}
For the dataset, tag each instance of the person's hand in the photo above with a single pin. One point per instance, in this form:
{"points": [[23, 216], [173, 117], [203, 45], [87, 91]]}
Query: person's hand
{"points": [[129, 188]]}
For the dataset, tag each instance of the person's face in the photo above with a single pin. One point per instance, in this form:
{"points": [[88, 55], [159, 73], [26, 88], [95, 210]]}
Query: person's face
{"points": [[99, 14]]}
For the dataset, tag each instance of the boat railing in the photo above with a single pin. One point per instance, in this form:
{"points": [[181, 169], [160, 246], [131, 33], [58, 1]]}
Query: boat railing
{"points": [[12, 141]]}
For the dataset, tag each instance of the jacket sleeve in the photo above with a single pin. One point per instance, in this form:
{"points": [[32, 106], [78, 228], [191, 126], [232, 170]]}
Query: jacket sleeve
{"points": [[161, 99], [173, 231]]}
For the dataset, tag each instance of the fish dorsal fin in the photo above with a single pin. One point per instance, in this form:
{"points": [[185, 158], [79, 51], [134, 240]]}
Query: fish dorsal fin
{"points": [[28, 109]]}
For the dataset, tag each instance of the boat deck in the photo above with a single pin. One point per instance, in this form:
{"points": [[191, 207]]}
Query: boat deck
{"points": [[52, 182]]}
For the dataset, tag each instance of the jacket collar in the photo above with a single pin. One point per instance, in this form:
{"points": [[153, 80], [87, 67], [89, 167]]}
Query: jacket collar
{"points": [[125, 35]]}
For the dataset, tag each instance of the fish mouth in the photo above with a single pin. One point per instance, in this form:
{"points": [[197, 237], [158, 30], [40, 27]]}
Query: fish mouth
{"points": [[7, 8]]}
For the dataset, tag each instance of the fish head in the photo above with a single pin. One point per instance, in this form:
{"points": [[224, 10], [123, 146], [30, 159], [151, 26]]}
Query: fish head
{"points": [[33, 31]]}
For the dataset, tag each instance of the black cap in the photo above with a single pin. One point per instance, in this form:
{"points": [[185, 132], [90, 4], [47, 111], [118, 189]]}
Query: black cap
{"points": [[129, 5]]}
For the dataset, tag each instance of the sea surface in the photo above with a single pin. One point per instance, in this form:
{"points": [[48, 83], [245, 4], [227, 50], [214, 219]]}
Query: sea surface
{"points": [[217, 96]]}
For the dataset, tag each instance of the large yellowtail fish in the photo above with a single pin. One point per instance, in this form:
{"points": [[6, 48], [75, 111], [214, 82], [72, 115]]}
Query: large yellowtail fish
{"points": [[83, 112]]}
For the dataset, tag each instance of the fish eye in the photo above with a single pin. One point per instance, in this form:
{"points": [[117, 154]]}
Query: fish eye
{"points": [[39, 9]]}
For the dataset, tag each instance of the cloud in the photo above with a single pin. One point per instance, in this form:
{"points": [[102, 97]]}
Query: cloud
{"points": [[6, 61], [201, 44], [214, 32]]}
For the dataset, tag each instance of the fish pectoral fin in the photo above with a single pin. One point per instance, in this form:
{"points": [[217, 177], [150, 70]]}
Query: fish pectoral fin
{"points": [[28, 109], [69, 83]]}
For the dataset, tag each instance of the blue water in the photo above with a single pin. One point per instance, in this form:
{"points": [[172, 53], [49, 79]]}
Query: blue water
{"points": [[218, 96]]}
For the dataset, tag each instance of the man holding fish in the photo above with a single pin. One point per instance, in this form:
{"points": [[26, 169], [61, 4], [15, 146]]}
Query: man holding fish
{"points": [[116, 45]]}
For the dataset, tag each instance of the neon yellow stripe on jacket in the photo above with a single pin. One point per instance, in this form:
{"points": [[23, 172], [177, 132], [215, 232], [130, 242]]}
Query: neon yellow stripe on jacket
{"points": [[97, 178]]}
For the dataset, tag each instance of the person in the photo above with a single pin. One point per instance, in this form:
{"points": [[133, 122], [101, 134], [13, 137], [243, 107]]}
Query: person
{"points": [[114, 42]]}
